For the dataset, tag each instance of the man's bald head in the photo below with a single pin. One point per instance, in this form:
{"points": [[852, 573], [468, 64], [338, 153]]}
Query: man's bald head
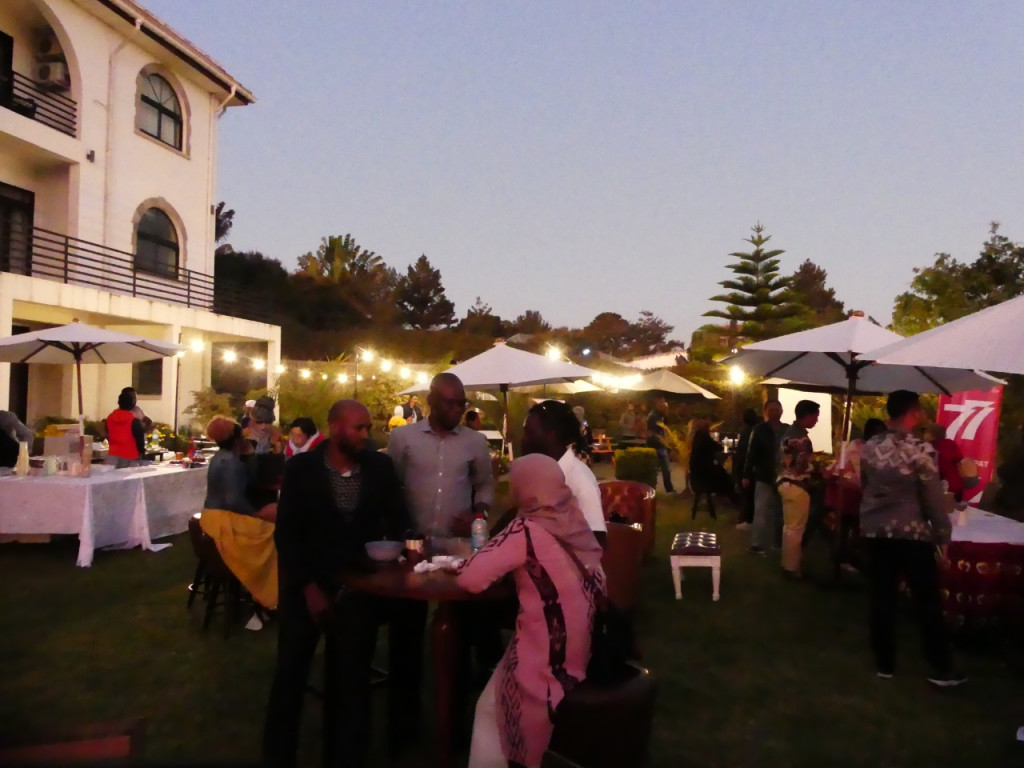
{"points": [[447, 401], [349, 424]]}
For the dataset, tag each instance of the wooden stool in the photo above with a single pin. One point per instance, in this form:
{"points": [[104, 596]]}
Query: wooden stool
{"points": [[696, 549]]}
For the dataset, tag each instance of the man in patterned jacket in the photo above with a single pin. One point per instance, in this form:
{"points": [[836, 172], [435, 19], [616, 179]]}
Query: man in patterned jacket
{"points": [[902, 522]]}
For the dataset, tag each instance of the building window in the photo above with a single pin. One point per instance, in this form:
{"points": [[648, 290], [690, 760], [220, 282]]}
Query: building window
{"points": [[148, 377], [159, 110], [156, 244]]}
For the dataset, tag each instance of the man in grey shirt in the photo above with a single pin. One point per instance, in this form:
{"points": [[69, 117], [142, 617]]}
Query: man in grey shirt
{"points": [[444, 467]]}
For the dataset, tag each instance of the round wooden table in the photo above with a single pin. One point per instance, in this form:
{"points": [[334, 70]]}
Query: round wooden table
{"points": [[400, 581]]}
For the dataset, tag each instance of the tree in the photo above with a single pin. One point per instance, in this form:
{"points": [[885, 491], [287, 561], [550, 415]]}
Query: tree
{"points": [[757, 297], [225, 220], [815, 303], [359, 277], [250, 274], [609, 332], [950, 289], [530, 322], [480, 320], [649, 335], [421, 299]]}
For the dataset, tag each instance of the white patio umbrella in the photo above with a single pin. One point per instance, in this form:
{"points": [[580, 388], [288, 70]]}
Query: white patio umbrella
{"points": [[666, 381], [834, 357], [503, 368], [82, 344], [989, 340]]}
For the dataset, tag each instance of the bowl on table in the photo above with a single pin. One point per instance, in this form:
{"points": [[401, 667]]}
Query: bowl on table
{"points": [[384, 551]]}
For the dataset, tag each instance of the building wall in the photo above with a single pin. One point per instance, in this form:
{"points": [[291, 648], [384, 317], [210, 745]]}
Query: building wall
{"points": [[52, 389], [99, 200]]}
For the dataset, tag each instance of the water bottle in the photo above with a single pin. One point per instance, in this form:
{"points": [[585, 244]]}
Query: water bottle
{"points": [[478, 532]]}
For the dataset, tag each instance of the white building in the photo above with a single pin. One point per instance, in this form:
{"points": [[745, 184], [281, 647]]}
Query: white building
{"points": [[108, 142]]}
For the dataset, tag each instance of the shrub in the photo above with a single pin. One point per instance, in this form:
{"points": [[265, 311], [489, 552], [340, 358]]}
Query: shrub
{"points": [[206, 404], [96, 429], [640, 464]]}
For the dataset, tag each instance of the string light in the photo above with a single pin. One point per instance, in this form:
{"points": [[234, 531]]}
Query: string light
{"points": [[405, 373], [422, 377], [736, 375], [259, 364], [385, 366], [359, 377], [280, 369], [323, 376], [230, 356], [367, 355], [554, 353], [305, 373], [197, 346], [343, 378]]}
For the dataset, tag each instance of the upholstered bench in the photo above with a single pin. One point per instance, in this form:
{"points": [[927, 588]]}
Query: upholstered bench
{"points": [[696, 549]]}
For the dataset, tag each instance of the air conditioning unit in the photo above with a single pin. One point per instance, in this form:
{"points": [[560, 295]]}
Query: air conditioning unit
{"points": [[48, 46], [52, 74]]}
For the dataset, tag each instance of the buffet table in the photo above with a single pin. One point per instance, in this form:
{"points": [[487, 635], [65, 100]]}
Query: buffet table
{"points": [[125, 507], [983, 579]]}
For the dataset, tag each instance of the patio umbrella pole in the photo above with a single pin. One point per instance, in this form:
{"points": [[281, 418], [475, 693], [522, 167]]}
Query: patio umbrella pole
{"points": [[81, 408], [504, 423]]}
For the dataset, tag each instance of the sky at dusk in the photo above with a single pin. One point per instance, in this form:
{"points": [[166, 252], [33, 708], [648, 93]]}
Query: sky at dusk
{"points": [[578, 157]]}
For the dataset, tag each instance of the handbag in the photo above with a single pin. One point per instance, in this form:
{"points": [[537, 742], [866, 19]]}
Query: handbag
{"points": [[612, 636]]}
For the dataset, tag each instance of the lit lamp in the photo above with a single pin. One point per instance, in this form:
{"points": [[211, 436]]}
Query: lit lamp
{"points": [[305, 373], [736, 375], [259, 365], [280, 369], [230, 356], [367, 355], [197, 346], [323, 377], [554, 353], [342, 378], [386, 365], [405, 373]]}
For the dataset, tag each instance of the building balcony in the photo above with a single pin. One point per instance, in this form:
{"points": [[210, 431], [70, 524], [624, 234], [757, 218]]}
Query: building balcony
{"points": [[55, 256], [38, 102]]}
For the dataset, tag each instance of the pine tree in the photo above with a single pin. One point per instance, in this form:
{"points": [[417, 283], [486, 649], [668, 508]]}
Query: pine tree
{"points": [[758, 296], [421, 297]]}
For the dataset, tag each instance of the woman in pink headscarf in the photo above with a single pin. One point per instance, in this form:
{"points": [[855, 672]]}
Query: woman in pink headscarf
{"points": [[556, 562]]}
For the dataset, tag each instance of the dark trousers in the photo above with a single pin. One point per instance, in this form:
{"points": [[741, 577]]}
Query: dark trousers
{"points": [[746, 511], [887, 561], [666, 471], [348, 655]]}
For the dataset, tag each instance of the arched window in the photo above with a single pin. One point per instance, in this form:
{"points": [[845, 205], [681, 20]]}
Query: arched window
{"points": [[156, 248], [159, 111]]}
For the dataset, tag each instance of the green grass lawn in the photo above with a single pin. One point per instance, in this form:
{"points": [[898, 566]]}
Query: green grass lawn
{"points": [[776, 674]]}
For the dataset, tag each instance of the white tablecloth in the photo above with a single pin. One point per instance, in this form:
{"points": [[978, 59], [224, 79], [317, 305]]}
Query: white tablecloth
{"points": [[129, 507], [987, 528]]}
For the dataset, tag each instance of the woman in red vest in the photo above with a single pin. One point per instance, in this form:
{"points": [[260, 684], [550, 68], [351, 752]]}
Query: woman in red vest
{"points": [[125, 434]]}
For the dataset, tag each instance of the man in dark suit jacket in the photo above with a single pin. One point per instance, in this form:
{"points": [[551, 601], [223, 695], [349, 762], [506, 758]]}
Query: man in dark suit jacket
{"points": [[334, 499]]}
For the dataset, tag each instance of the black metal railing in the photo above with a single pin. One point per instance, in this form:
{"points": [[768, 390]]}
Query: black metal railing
{"points": [[42, 104], [55, 256]]}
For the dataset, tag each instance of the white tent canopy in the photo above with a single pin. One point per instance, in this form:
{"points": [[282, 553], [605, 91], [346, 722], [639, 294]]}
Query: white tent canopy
{"points": [[990, 340], [835, 356], [666, 381]]}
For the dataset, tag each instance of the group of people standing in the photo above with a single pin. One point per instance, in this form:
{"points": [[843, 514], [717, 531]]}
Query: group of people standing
{"points": [[434, 478], [902, 523]]}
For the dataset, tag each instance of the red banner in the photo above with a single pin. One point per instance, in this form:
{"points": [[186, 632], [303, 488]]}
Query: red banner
{"points": [[971, 420]]}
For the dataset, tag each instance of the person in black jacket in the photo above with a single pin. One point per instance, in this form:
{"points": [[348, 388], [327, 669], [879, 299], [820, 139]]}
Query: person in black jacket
{"points": [[761, 472], [334, 499], [746, 513]]}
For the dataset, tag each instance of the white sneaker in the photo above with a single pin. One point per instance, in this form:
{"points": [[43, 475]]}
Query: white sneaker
{"points": [[254, 623]]}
